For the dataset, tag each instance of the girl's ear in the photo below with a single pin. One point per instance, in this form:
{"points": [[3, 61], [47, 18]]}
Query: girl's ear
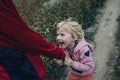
{"points": [[75, 39]]}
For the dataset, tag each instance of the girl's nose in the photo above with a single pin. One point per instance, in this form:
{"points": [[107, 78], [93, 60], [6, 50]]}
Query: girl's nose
{"points": [[58, 37]]}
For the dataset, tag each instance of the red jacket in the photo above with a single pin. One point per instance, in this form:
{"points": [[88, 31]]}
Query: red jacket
{"points": [[15, 34]]}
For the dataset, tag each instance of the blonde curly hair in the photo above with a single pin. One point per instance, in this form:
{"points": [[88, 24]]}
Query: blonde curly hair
{"points": [[74, 28]]}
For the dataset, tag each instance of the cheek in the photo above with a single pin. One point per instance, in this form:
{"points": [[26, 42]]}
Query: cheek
{"points": [[68, 41]]}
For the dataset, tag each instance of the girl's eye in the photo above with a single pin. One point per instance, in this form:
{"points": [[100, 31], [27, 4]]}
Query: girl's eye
{"points": [[62, 34]]}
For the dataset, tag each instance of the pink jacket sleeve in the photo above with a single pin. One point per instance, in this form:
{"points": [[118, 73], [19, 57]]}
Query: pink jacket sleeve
{"points": [[86, 64]]}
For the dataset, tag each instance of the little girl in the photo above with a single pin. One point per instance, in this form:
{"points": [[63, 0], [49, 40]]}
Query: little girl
{"points": [[70, 37]]}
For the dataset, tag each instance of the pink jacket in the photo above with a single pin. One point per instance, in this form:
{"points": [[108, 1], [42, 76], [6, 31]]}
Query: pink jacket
{"points": [[82, 57]]}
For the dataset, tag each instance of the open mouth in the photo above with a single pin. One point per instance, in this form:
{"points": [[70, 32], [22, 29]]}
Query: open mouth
{"points": [[60, 43]]}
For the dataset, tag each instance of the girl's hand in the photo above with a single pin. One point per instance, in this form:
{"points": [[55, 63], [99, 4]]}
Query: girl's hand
{"points": [[68, 61], [59, 62]]}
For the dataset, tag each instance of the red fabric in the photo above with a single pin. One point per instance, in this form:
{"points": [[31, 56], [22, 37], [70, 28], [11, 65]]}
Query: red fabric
{"points": [[14, 32], [38, 65], [3, 74]]}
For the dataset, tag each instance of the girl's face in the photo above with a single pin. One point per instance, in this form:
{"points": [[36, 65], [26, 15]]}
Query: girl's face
{"points": [[65, 39]]}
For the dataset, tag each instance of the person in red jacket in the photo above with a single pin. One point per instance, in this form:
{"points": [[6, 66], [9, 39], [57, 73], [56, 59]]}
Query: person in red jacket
{"points": [[21, 47]]}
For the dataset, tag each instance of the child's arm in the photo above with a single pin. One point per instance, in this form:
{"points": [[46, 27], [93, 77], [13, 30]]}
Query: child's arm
{"points": [[86, 64]]}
